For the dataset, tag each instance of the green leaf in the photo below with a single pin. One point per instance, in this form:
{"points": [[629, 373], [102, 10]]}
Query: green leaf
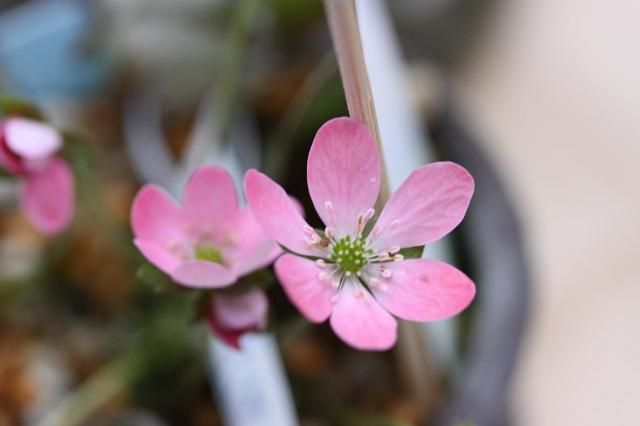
{"points": [[153, 277], [261, 278], [79, 154], [14, 106], [412, 252]]}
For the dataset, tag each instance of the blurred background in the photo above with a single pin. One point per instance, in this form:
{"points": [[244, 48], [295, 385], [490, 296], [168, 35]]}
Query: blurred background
{"points": [[540, 99]]}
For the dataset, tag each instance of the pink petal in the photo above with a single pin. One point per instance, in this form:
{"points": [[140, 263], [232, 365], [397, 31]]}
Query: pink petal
{"points": [[155, 216], [299, 279], [242, 311], [424, 290], [203, 274], [210, 203], [48, 197], [31, 139], [232, 316], [427, 206], [277, 214], [231, 337], [343, 173], [253, 249], [159, 254], [360, 321], [9, 161]]}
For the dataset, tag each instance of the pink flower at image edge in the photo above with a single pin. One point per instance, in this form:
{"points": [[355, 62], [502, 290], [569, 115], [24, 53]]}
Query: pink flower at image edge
{"points": [[28, 151], [207, 242], [359, 280]]}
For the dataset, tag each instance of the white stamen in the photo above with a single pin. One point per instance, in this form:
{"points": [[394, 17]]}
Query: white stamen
{"points": [[321, 263], [398, 257], [386, 273], [308, 230], [394, 249], [328, 232], [359, 273], [348, 273], [369, 213]]}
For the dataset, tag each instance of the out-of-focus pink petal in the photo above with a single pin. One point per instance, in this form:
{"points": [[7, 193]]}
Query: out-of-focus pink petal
{"points": [[48, 197], [300, 280], [277, 214], [252, 248], [159, 254], [343, 173], [242, 311], [210, 203], [231, 337], [31, 139], [424, 290], [9, 160], [155, 216], [203, 274], [427, 206], [232, 316], [360, 321]]}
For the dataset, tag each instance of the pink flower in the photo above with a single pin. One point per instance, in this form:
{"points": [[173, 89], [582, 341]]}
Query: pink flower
{"points": [[231, 316], [208, 241], [357, 278], [28, 150]]}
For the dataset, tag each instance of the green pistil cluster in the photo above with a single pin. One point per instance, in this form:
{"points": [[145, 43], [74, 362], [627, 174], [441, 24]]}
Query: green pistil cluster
{"points": [[208, 253], [350, 256]]}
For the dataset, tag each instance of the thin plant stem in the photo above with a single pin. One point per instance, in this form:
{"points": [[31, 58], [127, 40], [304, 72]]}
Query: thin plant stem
{"points": [[234, 59], [280, 144], [111, 381], [345, 33]]}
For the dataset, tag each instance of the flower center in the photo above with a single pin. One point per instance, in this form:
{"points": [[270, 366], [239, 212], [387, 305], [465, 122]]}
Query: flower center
{"points": [[350, 255], [208, 253]]}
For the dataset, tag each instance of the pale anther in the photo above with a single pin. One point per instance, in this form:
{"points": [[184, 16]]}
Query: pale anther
{"points": [[369, 214], [328, 232]]}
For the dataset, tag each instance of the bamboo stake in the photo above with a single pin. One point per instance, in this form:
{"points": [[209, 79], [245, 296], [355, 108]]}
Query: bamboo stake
{"points": [[415, 363], [345, 33]]}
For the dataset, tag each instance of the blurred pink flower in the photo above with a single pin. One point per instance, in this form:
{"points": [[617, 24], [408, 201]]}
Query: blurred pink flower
{"points": [[28, 150], [208, 241], [359, 279], [231, 316]]}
